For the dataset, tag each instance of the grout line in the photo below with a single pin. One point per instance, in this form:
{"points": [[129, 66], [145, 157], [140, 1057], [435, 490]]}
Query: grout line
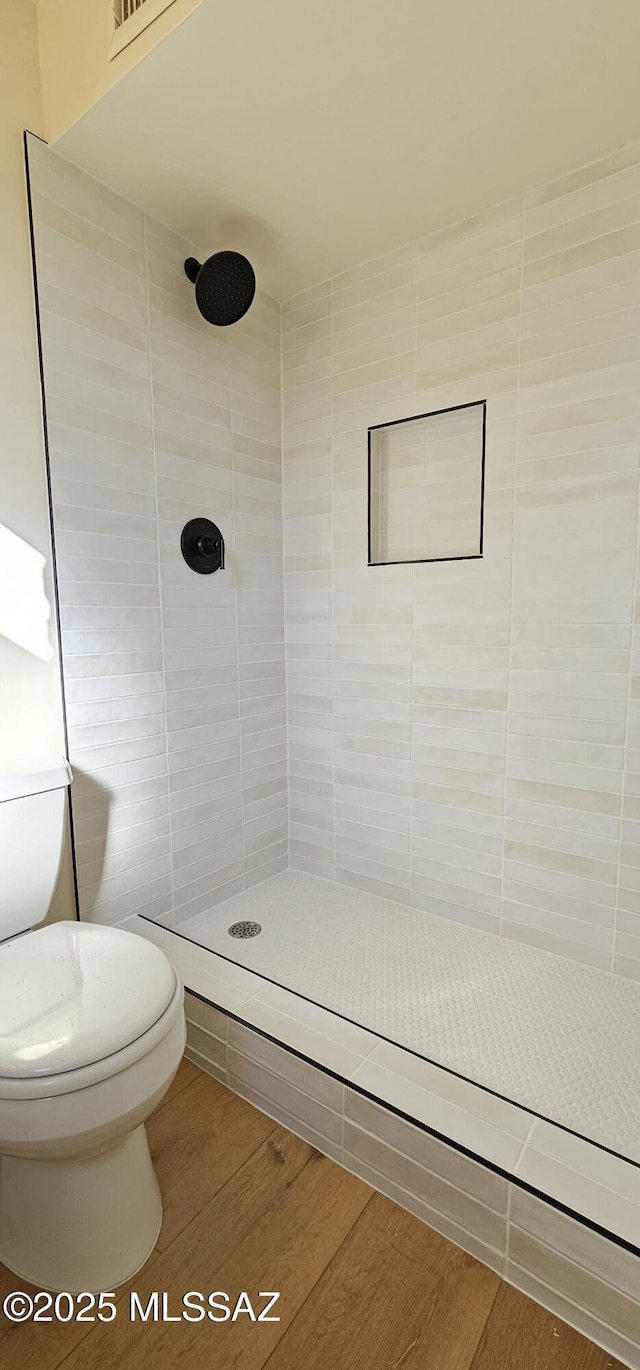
{"points": [[582, 1173], [507, 1230], [233, 572], [332, 580], [285, 596], [512, 568], [429, 1170], [412, 654], [159, 581], [524, 1145], [66, 372], [568, 1299], [627, 728]]}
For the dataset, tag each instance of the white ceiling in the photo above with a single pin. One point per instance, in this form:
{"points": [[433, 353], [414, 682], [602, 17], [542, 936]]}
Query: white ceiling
{"points": [[313, 137]]}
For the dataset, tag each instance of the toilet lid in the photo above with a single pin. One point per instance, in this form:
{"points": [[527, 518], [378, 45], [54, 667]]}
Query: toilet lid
{"points": [[72, 993]]}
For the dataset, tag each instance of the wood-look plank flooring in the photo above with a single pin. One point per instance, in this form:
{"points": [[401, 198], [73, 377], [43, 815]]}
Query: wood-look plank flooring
{"points": [[364, 1285]]}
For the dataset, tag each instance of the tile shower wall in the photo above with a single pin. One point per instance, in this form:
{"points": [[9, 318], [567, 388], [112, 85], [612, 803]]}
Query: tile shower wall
{"points": [[174, 681], [462, 736], [465, 736]]}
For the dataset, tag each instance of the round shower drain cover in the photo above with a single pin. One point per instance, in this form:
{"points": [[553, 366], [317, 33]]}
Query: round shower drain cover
{"points": [[245, 929]]}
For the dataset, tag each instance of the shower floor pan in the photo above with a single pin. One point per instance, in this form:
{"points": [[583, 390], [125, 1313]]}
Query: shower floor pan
{"points": [[559, 1039]]}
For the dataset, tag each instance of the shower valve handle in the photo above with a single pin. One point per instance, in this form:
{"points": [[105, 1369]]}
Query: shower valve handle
{"points": [[208, 546], [202, 546]]}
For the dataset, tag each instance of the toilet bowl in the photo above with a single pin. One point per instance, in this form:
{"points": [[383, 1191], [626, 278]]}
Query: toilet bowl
{"points": [[92, 1031]]}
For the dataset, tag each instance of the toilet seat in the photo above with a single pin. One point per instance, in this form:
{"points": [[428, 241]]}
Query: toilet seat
{"points": [[51, 1087], [76, 999]]}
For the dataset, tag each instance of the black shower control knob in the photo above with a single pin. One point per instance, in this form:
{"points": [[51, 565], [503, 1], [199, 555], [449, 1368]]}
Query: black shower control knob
{"points": [[202, 546], [208, 546]]}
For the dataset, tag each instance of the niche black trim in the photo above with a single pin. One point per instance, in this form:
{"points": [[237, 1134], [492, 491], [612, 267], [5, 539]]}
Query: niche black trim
{"points": [[412, 418]]}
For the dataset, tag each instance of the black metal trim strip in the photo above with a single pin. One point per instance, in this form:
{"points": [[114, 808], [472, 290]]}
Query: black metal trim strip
{"points": [[47, 466], [413, 418], [429, 1060], [424, 1127]]}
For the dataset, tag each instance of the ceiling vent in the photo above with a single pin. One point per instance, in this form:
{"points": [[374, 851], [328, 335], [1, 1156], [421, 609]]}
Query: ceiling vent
{"points": [[125, 8], [131, 18]]}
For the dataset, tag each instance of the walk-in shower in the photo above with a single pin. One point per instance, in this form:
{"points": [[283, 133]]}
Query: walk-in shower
{"points": [[415, 782]]}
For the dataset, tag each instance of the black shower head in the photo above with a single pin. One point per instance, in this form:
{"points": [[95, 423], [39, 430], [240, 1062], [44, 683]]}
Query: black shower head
{"points": [[225, 286]]}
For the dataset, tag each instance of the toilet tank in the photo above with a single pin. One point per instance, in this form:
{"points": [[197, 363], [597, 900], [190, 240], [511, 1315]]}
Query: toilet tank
{"points": [[32, 825]]}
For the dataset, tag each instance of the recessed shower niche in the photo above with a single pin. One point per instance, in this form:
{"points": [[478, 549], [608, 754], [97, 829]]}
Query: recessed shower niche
{"points": [[426, 486]]}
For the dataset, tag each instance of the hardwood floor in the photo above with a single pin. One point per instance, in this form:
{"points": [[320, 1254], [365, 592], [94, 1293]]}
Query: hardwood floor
{"points": [[364, 1285]]}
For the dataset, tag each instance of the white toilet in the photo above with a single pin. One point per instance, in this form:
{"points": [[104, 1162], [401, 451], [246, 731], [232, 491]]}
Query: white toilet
{"points": [[92, 1031]]}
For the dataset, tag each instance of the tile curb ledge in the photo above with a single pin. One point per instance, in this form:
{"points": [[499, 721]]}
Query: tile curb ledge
{"points": [[205, 974]]}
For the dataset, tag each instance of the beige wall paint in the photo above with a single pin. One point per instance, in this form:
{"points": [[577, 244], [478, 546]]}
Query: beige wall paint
{"points": [[31, 721], [75, 36]]}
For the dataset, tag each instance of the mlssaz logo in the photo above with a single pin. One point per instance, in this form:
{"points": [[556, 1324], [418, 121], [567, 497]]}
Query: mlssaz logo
{"points": [[197, 1307]]}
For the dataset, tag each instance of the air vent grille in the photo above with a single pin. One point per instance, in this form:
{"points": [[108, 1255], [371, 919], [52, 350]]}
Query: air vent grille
{"points": [[124, 9], [131, 18]]}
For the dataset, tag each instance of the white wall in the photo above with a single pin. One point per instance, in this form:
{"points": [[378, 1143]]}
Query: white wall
{"points": [[31, 725], [464, 735], [174, 681]]}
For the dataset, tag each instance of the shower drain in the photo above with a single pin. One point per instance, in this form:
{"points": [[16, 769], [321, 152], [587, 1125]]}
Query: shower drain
{"points": [[245, 929]]}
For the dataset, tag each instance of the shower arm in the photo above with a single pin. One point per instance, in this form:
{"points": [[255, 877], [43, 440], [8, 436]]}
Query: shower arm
{"points": [[191, 269]]}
